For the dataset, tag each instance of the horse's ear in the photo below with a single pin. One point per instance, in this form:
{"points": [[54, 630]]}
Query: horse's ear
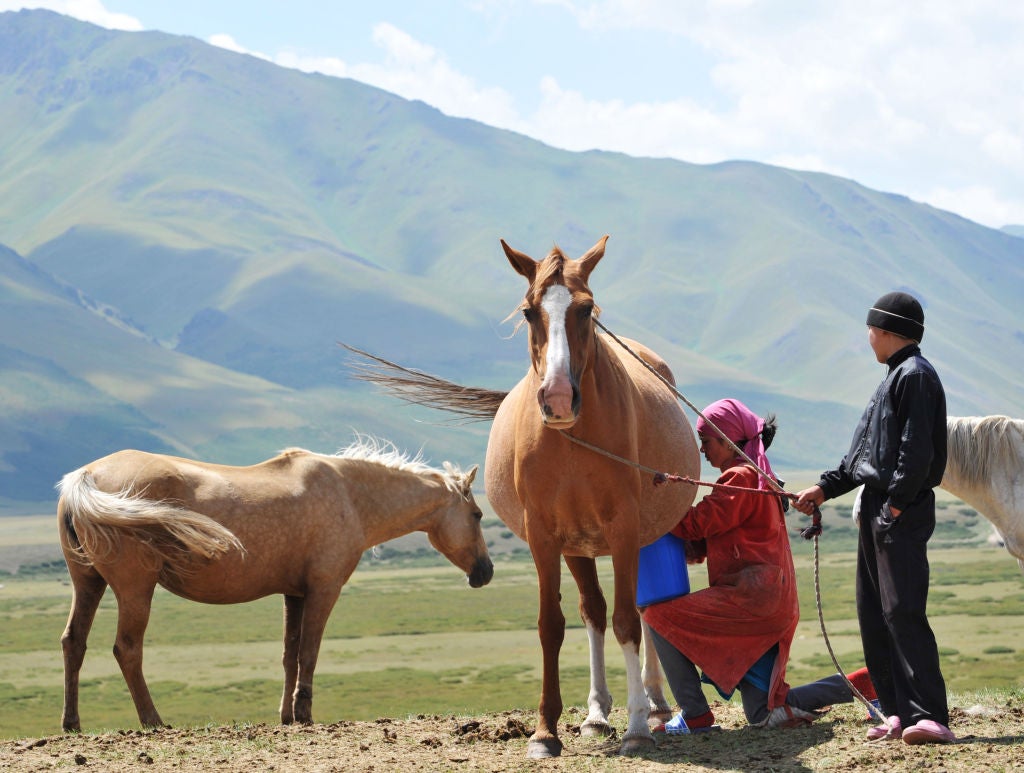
{"points": [[470, 475], [521, 262], [593, 256]]}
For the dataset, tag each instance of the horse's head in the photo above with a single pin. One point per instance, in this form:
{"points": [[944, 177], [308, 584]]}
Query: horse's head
{"points": [[558, 308], [456, 532]]}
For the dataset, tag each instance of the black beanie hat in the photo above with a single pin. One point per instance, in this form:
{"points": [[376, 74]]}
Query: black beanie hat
{"points": [[898, 313]]}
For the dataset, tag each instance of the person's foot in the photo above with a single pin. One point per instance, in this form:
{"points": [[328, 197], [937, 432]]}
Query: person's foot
{"points": [[786, 716], [928, 731], [861, 679], [679, 725], [892, 732]]}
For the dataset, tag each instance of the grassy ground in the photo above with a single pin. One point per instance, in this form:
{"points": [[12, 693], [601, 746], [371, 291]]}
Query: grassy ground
{"points": [[988, 730], [433, 645]]}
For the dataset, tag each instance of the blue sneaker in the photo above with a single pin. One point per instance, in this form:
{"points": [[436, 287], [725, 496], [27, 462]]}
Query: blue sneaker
{"points": [[677, 725]]}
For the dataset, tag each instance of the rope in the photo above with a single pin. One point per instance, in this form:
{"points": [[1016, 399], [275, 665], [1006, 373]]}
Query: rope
{"points": [[812, 531], [872, 709]]}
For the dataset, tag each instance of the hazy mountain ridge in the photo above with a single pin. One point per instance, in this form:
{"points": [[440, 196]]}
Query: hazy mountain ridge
{"points": [[248, 217]]}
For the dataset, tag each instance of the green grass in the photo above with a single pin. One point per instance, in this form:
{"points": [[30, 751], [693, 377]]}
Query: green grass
{"points": [[408, 639]]}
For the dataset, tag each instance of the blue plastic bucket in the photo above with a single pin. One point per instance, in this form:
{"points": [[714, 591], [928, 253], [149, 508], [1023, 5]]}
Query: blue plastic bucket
{"points": [[662, 574]]}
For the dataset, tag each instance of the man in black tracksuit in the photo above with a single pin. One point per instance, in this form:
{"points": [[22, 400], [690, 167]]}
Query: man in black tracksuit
{"points": [[898, 454]]}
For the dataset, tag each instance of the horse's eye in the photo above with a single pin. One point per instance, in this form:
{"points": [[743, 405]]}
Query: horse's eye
{"points": [[478, 515], [529, 313], [586, 311]]}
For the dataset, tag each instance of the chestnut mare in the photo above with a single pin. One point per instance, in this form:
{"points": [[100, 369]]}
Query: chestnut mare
{"points": [[567, 500], [296, 524]]}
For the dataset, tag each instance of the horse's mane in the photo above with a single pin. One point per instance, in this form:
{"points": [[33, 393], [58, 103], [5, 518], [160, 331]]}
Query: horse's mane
{"points": [[366, 448], [977, 443]]}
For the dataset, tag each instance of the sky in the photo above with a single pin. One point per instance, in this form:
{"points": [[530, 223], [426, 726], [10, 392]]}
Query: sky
{"points": [[923, 98]]}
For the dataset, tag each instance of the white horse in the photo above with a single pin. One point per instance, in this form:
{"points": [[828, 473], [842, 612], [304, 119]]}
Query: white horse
{"points": [[985, 468]]}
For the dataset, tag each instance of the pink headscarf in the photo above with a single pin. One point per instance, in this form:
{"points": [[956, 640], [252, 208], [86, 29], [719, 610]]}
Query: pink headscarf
{"points": [[742, 426]]}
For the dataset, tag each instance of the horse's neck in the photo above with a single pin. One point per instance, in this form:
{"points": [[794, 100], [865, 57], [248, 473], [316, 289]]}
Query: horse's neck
{"points": [[981, 496], [392, 503], [605, 374], [985, 457]]}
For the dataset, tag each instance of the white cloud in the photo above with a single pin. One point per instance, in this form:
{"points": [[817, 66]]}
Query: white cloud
{"points": [[87, 10], [223, 40], [418, 71], [979, 203], [923, 97]]}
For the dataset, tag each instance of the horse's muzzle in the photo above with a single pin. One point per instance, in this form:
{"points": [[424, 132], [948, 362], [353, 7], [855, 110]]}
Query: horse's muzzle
{"points": [[483, 571], [565, 414]]}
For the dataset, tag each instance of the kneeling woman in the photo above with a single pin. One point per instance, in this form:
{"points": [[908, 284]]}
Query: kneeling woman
{"points": [[739, 630]]}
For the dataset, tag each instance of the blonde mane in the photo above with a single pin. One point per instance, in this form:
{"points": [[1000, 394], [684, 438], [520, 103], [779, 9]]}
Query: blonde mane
{"points": [[976, 443], [367, 448]]}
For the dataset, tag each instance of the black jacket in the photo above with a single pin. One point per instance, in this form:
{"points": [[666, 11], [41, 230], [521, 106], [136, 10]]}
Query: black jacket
{"points": [[899, 446]]}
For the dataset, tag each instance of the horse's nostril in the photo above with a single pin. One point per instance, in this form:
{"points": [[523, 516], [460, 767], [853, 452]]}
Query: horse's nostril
{"points": [[482, 573]]}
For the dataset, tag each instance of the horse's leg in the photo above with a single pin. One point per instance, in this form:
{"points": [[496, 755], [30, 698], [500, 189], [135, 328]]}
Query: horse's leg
{"points": [[657, 706], [551, 628], [133, 607], [316, 608], [88, 588], [593, 610], [626, 624], [290, 659]]}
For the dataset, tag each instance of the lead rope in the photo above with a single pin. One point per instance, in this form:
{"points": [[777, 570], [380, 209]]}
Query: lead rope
{"points": [[811, 532]]}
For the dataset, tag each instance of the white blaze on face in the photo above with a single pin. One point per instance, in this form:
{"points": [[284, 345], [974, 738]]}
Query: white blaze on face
{"points": [[555, 303], [556, 391]]}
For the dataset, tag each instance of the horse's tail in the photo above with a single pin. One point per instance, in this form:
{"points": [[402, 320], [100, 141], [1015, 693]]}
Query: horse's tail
{"points": [[419, 388], [93, 524]]}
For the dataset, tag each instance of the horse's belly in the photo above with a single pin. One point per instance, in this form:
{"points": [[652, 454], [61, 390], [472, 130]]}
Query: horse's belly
{"points": [[499, 466], [234, 579]]}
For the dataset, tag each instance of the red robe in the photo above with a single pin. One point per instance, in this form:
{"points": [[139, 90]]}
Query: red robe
{"points": [[751, 603]]}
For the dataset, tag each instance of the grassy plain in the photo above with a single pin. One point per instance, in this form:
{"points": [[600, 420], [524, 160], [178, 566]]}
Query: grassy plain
{"points": [[407, 638]]}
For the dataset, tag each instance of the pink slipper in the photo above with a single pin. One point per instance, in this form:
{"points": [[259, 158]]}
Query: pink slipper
{"points": [[883, 733], [928, 731]]}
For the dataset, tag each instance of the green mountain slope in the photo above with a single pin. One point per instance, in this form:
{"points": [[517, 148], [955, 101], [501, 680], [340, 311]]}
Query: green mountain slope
{"points": [[208, 218]]}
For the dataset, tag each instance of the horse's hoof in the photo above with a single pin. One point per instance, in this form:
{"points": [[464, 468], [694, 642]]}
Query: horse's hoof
{"points": [[596, 730], [543, 748], [635, 745]]}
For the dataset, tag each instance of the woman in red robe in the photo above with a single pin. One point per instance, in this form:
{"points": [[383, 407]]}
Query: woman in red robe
{"points": [[739, 630]]}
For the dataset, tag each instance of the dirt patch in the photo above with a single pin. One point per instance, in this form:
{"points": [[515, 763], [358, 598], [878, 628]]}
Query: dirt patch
{"points": [[991, 738]]}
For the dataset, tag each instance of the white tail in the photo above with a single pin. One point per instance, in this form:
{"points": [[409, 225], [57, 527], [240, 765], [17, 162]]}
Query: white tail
{"points": [[95, 522]]}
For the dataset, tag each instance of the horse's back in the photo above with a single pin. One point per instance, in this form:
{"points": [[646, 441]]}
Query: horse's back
{"points": [[189, 481]]}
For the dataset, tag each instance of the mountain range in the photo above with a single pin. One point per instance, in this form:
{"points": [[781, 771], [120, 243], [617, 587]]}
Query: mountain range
{"points": [[187, 233]]}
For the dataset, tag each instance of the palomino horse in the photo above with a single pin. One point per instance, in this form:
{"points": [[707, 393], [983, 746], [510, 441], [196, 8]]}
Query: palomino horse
{"points": [[569, 500], [296, 524], [985, 468]]}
